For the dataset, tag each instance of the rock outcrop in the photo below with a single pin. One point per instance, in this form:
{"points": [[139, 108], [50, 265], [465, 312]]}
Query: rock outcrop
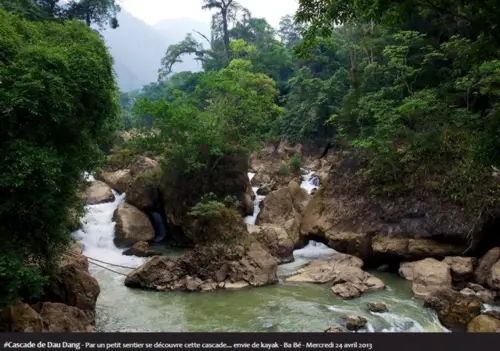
{"points": [[354, 323], [480, 292], [377, 307], [283, 208], [20, 318], [462, 268], [428, 276], [343, 271], [97, 193], [494, 279], [454, 309], [118, 180], [132, 226], [207, 268], [143, 189], [275, 239], [228, 179], [352, 218], [483, 271], [43, 317], [61, 318], [73, 285], [484, 324]]}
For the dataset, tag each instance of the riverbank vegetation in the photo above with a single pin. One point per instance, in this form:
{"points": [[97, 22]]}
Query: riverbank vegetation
{"points": [[59, 105], [412, 85]]}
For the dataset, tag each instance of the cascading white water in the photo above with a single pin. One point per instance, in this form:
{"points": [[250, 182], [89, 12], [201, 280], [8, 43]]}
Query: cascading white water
{"points": [[280, 307], [256, 203], [309, 181], [97, 233]]}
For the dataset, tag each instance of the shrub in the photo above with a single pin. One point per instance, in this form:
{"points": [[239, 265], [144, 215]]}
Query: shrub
{"points": [[284, 169], [296, 162]]}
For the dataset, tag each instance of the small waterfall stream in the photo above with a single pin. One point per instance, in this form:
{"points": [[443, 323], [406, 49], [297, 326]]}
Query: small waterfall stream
{"points": [[282, 307]]}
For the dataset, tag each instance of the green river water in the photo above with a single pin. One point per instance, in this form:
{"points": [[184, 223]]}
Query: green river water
{"points": [[276, 308]]}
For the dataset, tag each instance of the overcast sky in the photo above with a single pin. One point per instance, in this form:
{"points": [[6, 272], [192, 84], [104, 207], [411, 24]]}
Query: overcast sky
{"points": [[153, 11]]}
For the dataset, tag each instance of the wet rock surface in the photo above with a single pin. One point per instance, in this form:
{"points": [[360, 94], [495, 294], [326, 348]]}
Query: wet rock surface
{"points": [[132, 226], [344, 272], [428, 276], [454, 309], [97, 193], [207, 268]]}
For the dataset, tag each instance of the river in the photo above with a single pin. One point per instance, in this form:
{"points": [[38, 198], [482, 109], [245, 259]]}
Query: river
{"points": [[277, 308]]}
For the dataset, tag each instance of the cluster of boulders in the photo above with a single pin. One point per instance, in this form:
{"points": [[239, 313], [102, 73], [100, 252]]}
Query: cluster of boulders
{"points": [[429, 237], [343, 272], [68, 304], [140, 182], [207, 268], [456, 288]]}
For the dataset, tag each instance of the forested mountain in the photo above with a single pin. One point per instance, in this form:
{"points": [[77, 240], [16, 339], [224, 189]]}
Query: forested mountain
{"points": [[137, 47]]}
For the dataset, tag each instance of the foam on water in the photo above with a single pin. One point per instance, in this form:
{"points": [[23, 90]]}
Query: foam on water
{"points": [[309, 181], [97, 234], [256, 203], [314, 250]]}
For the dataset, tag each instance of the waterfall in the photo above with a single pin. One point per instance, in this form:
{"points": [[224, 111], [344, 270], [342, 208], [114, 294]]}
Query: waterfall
{"points": [[97, 234]]}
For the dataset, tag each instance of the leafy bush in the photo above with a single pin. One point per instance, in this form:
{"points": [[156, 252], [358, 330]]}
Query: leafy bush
{"points": [[284, 169], [59, 104], [214, 222], [296, 162]]}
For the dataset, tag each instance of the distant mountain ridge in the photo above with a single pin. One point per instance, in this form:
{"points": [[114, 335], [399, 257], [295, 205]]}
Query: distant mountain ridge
{"points": [[138, 48]]}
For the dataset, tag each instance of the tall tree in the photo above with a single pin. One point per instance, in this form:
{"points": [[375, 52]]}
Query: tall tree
{"points": [[98, 12], [227, 12]]}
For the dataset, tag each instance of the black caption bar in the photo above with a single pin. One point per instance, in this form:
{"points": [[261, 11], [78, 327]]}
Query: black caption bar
{"points": [[247, 341]]}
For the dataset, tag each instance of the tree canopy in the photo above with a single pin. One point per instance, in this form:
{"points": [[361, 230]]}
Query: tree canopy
{"points": [[59, 104]]}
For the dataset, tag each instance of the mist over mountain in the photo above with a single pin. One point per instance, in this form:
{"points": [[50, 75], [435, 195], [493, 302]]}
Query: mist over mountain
{"points": [[137, 47]]}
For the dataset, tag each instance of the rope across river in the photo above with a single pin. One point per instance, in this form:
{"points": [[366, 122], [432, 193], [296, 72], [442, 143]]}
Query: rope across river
{"points": [[95, 260]]}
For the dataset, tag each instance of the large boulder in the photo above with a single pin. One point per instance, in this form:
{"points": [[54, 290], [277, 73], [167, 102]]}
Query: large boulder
{"points": [[378, 307], [207, 268], [132, 226], [118, 180], [462, 268], [20, 318], [428, 275], [480, 292], [454, 309], [143, 189], [484, 324], [227, 179], [494, 278], [141, 249], [61, 318], [355, 217], [97, 193], [73, 285], [354, 323], [345, 273], [283, 208], [482, 274], [275, 239]]}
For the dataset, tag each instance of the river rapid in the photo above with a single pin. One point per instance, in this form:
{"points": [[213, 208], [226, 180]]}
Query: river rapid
{"points": [[277, 308]]}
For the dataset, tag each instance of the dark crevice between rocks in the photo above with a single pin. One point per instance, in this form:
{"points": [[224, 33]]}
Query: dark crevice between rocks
{"points": [[314, 237], [174, 236], [487, 238]]}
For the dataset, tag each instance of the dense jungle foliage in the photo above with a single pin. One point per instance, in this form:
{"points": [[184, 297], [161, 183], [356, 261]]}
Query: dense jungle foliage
{"points": [[59, 104], [413, 85]]}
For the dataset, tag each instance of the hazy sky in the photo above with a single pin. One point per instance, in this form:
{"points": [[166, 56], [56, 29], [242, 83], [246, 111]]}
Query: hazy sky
{"points": [[153, 11]]}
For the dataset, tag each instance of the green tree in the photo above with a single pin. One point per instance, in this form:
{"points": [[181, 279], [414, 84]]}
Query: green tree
{"points": [[59, 104]]}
